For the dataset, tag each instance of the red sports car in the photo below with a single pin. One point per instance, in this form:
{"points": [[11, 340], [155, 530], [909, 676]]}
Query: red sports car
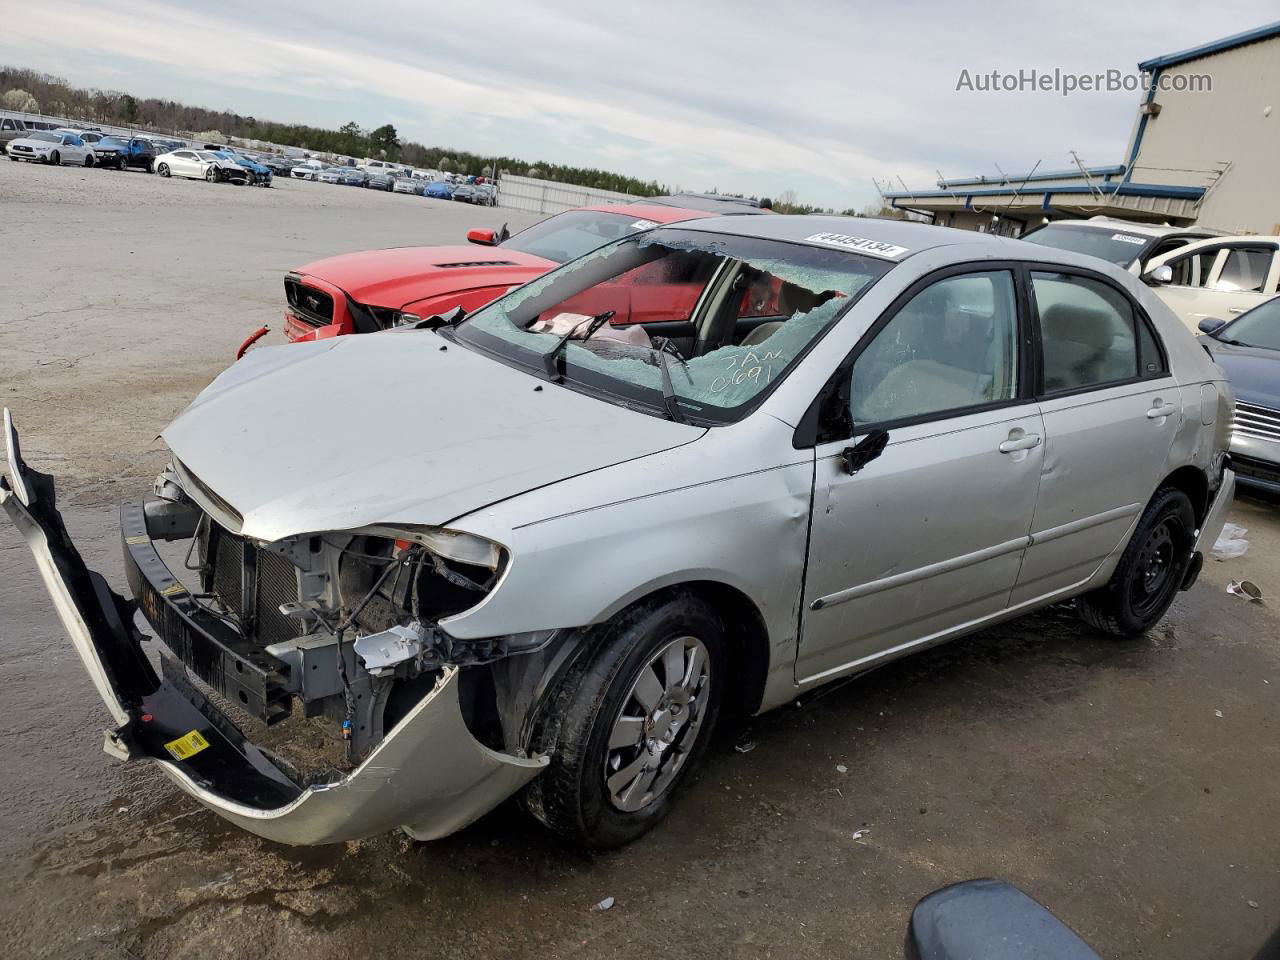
{"points": [[369, 291]]}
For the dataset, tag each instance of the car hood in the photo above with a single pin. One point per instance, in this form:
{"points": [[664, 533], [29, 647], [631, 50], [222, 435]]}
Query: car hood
{"points": [[391, 428], [402, 275], [1254, 372]]}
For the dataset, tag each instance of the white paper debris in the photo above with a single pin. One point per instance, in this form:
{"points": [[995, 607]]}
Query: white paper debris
{"points": [[1231, 542], [745, 747], [841, 768], [859, 834], [605, 904], [1218, 714]]}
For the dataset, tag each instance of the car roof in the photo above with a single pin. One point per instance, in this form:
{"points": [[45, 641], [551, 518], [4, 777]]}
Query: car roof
{"points": [[1128, 226], [893, 240]]}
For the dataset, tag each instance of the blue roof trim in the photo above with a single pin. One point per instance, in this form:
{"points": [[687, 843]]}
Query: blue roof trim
{"points": [[1073, 173], [1214, 46], [1168, 191]]}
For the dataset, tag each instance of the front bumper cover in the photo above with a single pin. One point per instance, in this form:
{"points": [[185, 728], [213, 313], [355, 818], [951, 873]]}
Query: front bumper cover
{"points": [[429, 775]]}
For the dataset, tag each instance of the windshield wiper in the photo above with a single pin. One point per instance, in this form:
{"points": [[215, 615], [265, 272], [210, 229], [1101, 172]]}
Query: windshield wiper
{"points": [[669, 401], [551, 359]]}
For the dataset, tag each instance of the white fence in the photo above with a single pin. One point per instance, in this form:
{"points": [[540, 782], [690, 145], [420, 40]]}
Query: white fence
{"points": [[547, 196]]}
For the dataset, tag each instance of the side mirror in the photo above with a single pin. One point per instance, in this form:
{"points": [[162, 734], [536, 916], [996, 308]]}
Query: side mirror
{"points": [[1158, 276], [992, 920], [865, 450], [486, 238], [1210, 325]]}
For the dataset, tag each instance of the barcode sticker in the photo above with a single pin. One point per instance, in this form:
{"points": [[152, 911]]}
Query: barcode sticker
{"points": [[186, 746]]}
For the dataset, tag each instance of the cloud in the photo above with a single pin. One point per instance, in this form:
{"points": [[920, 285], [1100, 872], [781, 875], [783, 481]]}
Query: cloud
{"points": [[817, 96]]}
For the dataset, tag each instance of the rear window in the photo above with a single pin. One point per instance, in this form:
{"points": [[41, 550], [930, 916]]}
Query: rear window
{"points": [[1113, 245]]}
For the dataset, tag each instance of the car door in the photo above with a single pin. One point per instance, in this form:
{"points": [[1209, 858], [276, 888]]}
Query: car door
{"points": [[72, 149], [187, 164], [1220, 279], [1111, 410], [926, 539]]}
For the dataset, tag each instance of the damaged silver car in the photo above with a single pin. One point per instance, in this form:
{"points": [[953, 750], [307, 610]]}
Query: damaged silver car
{"points": [[545, 549]]}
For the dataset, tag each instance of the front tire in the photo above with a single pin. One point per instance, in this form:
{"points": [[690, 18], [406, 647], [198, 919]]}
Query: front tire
{"points": [[55, 158], [629, 721], [1150, 571], [88, 160], [212, 175]]}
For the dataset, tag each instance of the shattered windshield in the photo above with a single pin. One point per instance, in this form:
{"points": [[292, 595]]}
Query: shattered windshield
{"points": [[568, 236], [733, 314]]}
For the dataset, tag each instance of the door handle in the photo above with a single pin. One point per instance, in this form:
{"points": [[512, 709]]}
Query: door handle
{"points": [[1159, 410], [1029, 442]]}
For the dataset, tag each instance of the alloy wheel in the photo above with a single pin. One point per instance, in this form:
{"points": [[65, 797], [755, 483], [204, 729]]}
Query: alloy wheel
{"points": [[658, 724]]}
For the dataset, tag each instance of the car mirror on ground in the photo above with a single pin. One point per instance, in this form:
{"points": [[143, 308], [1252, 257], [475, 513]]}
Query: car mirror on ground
{"points": [[486, 238], [992, 920], [1158, 276], [1210, 325]]}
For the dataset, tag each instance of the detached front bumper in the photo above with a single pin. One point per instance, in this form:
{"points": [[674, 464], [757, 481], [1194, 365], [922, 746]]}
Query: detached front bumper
{"points": [[429, 775]]}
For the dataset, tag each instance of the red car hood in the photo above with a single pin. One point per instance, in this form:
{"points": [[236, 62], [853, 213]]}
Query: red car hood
{"points": [[399, 276]]}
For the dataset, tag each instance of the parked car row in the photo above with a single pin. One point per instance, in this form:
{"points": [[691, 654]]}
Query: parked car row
{"points": [[395, 181]]}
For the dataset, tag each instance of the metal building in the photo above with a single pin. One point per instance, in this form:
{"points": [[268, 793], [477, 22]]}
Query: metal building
{"points": [[1195, 155]]}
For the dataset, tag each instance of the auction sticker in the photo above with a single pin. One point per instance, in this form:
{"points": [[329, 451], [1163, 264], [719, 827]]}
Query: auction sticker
{"points": [[644, 224], [1128, 238], [861, 244], [186, 746]]}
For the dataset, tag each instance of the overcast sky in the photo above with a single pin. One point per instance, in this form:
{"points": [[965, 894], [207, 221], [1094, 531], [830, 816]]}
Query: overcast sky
{"points": [[738, 95]]}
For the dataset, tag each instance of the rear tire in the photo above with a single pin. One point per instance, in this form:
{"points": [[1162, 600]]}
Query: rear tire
{"points": [[1150, 571], [628, 722], [163, 170]]}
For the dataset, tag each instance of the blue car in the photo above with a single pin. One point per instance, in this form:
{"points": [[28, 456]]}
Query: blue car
{"points": [[260, 174], [439, 189]]}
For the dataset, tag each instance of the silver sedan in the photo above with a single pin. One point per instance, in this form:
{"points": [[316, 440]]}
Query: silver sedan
{"points": [[688, 477]]}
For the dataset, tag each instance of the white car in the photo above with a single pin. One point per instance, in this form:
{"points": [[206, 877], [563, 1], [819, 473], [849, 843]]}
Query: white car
{"points": [[51, 147], [1219, 278], [308, 171], [1130, 246], [199, 165]]}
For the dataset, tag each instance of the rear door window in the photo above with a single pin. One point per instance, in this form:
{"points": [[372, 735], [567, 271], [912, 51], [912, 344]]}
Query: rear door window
{"points": [[1245, 270], [1090, 334]]}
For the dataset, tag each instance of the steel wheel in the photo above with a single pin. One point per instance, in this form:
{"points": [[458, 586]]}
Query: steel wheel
{"points": [[1153, 576], [658, 724]]}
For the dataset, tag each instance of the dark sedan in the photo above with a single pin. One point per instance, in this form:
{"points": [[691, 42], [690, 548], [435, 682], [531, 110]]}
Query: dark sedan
{"points": [[354, 177], [382, 181], [1248, 348]]}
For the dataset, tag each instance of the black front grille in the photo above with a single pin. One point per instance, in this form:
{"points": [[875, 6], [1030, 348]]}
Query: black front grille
{"points": [[1248, 468], [311, 304]]}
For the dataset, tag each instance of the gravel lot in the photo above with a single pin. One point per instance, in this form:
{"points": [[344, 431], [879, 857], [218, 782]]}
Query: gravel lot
{"points": [[1133, 787]]}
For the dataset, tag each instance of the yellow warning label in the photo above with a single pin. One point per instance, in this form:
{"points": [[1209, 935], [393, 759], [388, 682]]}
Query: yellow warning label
{"points": [[172, 589], [186, 746], [136, 541]]}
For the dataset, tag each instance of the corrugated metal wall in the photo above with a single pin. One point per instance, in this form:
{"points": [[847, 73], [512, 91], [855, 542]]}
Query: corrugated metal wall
{"points": [[547, 196]]}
